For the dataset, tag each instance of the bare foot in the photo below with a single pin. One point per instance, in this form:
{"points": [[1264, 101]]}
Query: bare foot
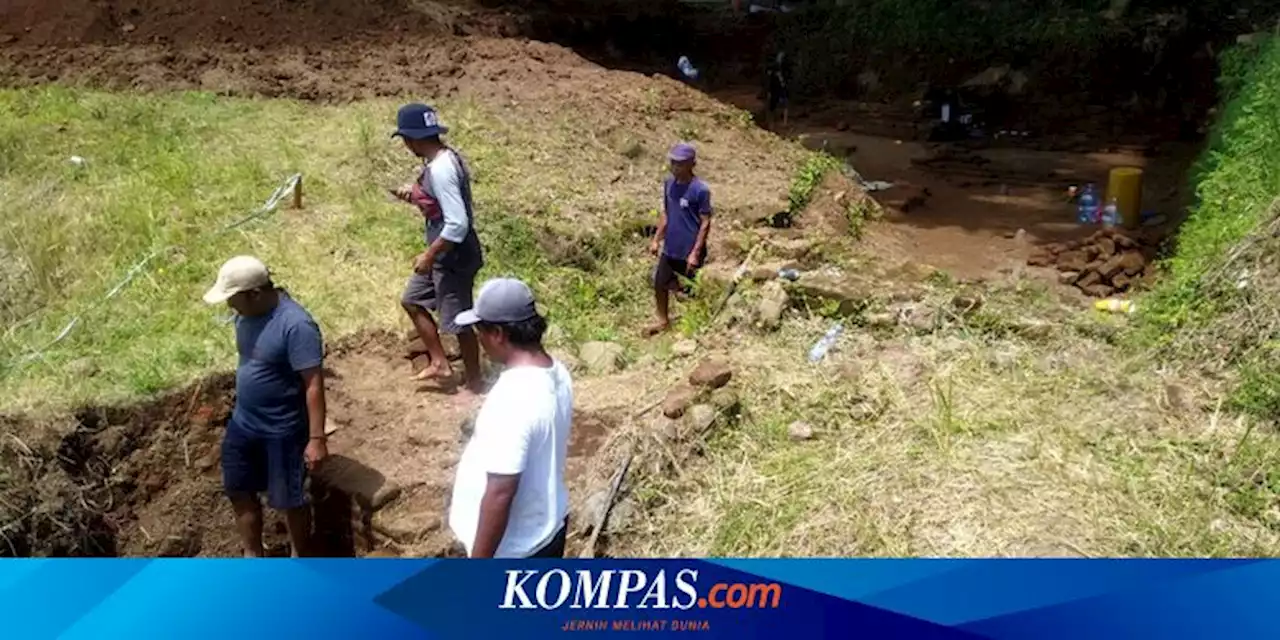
{"points": [[433, 372], [655, 329]]}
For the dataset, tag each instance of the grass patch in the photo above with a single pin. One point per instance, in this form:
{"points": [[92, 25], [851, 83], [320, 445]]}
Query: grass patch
{"points": [[1215, 302]]}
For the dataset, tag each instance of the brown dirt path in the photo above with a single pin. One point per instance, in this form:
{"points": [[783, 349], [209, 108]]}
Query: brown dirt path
{"points": [[960, 207]]}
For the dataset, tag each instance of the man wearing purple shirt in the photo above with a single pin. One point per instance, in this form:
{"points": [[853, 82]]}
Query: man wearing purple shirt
{"points": [[682, 231]]}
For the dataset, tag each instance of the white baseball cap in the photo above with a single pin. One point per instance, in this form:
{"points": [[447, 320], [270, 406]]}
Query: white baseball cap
{"points": [[237, 275]]}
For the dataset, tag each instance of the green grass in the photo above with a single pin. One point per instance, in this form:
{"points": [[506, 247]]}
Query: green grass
{"points": [[1199, 306], [561, 210]]}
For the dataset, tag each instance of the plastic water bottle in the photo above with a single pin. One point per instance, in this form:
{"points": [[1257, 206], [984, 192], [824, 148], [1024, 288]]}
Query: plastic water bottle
{"points": [[687, 68], [1087, 206], [819, 350], [1111, 214]]}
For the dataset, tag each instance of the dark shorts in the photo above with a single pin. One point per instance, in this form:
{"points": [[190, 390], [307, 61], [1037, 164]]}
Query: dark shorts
{"points": [[777, 100], [554, 548], [669, 271], [254, 463], [448, 293]]}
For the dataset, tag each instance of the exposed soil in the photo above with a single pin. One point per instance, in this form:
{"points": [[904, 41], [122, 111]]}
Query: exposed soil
{"points": [[982, 207], [145, 480]]}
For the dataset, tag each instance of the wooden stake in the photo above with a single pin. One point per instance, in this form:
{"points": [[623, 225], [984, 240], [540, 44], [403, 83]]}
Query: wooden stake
{"points": [[590, 550], [737, 277], [297, 194]]}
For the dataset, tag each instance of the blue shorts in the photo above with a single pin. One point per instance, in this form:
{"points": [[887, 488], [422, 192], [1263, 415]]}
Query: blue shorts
{"points": [[254, 463]]}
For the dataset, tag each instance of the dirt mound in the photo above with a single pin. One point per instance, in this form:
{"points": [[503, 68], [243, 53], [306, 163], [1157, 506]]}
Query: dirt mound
{"points": [[507, 71], [262, 23]]}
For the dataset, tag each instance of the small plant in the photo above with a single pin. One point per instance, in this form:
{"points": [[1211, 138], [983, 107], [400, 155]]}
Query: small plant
{"points": [[651, 102], [859, 210], [688, 130], [807, 179]]}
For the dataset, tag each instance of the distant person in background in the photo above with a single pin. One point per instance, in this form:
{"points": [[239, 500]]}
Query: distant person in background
{"points": [[681, 239], [778, 85], [509, 497], [276, 433], [445, 274]]}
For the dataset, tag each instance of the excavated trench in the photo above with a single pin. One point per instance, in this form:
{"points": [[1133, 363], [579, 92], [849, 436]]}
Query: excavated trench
{"points": [[144, 479]]}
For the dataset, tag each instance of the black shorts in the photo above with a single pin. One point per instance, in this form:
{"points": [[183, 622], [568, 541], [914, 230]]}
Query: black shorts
{"points": [[777, 99], [669, 271], [555, 547]]}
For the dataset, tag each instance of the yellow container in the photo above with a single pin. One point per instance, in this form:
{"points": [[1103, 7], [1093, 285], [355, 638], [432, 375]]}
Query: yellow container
{"points": [[1125, 186]]}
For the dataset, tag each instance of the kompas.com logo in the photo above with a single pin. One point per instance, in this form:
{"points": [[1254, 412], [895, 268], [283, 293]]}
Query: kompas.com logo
{"points": [[612, 589]]}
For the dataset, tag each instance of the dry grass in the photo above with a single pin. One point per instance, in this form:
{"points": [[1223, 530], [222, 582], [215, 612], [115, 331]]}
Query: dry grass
{"points": [[966, 442]]}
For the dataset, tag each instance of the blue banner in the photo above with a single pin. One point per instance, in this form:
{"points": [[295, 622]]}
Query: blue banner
{"points": [[999, 599]]}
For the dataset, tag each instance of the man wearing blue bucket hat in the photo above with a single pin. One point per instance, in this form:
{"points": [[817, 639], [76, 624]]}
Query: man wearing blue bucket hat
{"points": [[444, 275]]}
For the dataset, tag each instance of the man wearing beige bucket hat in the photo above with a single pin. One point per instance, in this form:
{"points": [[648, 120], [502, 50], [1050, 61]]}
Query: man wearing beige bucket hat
{"points": [[276, 432]]}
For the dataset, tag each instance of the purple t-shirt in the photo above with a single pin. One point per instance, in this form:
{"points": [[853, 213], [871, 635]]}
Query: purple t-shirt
{"points": [[686, 204]]}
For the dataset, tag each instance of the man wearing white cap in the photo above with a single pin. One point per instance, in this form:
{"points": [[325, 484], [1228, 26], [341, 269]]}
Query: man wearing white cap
{"points": [[509, 496], [276, 432]]}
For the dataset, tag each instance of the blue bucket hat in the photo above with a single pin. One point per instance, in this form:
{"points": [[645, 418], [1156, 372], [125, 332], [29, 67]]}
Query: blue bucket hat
{"points": [[417, 122]]}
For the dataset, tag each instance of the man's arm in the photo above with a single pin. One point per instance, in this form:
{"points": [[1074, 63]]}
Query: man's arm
{"points": [[704, 227], [306, 357], [446, 183], [495, 511], [313, 382], [661, 233], [502, 441]]}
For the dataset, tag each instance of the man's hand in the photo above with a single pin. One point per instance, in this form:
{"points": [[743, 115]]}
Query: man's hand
{"points": [[655, 246], [403, 192], [316, 451], [422, 264], [694, 259]]}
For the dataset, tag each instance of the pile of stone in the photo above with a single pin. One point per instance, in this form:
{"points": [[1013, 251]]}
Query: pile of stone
{"points": [[1107, 262]]}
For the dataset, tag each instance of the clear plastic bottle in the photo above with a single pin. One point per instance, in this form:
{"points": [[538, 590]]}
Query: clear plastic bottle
{"points": [[1111, 214], [687, 68], [828, 340], [1087, 205]]}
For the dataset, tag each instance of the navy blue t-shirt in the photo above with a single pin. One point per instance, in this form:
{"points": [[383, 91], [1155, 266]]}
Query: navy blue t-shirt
{"points": [[270, 398], [685, 205]]}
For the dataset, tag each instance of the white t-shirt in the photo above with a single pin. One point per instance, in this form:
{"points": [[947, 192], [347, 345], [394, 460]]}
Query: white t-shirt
{"points": [[522, 428]]}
